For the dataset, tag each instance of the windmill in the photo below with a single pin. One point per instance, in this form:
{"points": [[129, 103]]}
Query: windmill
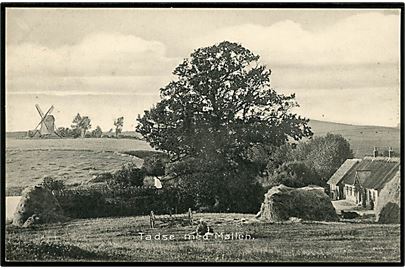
{"points": [[46, 125]]}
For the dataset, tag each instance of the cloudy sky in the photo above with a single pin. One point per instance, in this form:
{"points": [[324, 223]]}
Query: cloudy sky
{"points": [[343, 65]]}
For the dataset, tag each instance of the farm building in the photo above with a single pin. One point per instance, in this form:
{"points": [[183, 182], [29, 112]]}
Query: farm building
{"points": [[361, 180], [335, 182]]}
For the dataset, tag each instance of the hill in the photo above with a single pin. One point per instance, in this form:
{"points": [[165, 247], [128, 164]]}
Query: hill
{"points": [[361, 138]]}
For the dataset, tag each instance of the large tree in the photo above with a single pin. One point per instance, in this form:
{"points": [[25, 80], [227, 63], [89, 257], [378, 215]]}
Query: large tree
{"points": [[81, 124], [118, 123], [307, 163], [220, 107], [326, 154]]}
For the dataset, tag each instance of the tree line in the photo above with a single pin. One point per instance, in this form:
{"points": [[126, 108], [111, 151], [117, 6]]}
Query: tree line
{"points": [[81, 126]]}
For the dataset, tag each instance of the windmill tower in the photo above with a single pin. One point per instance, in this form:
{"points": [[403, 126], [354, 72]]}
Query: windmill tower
{"points": [[46, 125]]}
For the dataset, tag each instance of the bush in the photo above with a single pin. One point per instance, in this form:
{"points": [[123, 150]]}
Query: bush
{"points": [[52, 184], [128, 176], [83, 204], [69, 133], [217, 186], [97, 133], [94, 202]]}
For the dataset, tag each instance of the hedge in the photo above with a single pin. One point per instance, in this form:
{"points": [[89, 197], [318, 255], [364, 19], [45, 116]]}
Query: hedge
{"points": [[104, 202]]}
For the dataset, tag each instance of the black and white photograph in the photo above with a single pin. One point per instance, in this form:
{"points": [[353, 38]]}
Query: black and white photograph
{"points": [[210, 134]]}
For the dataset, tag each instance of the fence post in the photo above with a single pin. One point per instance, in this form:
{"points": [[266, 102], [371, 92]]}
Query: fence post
{"points": [[190, 216], [152, 219]]}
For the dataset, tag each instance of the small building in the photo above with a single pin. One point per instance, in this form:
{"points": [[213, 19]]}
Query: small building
{"points": [[336, 184], [361, 180]]}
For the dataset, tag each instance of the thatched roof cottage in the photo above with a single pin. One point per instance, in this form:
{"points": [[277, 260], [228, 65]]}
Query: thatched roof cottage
{"points": [[361, 180]]}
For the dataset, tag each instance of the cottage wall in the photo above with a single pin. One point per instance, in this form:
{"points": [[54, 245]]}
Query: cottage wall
{"points": [[371, 195], [350, 193], [354, 196], [334, 192], [337, 192]]}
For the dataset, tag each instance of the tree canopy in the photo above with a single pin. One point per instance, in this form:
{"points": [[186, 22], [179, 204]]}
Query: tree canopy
{"points": [[81, 124], [215, 118], [326, 154], [222, 100], [321, 155], [118, 123]]}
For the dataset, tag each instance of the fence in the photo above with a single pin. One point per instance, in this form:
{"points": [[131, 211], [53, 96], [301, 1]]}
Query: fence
{"points": [[188, 218]]}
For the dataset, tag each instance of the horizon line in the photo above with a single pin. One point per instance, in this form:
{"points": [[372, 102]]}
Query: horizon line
{"points": [[331, 122]]}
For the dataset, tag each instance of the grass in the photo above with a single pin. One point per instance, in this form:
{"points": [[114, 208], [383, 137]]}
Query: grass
{"points": [[92, 144], [146, 154], [75, 161], [118, 239]]}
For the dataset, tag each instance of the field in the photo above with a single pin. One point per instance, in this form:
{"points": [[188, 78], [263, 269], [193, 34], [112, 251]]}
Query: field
{"points": [[362, 139], [119, 239], [75, 161], [93, 144]]}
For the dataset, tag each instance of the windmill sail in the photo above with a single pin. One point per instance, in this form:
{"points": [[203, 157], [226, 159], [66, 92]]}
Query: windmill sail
{"points": [[47, 124]]}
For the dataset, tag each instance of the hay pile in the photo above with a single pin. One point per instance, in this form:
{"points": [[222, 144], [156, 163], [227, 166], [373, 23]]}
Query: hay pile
{"points": [[308, 203], [37, 205], [388, 205]]}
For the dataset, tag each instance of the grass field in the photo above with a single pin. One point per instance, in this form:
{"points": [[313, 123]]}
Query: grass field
{"points": [[93, 144], [73, 160], [118, 239], [77, 160]]}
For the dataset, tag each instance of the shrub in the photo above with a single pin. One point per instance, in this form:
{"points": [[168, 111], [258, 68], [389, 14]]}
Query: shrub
{"points": [[96, 202], [97, 133], [69, 133], [52, 184], [83, 204], [217, 186], [128, 176]]}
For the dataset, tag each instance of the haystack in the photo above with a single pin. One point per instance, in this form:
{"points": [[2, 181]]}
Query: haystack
{"points": [[37, 205], [308, 203], [388, 206]]}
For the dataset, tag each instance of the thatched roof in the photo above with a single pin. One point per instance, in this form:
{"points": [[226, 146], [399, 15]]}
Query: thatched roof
{"points": [[380, 171], [342, 171]]}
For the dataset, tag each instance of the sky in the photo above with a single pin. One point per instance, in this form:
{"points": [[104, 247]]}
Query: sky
{"points": [[342, 64]]}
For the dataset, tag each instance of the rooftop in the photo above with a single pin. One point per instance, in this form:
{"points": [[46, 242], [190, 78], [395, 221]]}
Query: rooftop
{"points": [[381, 170], [342, 171]]}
